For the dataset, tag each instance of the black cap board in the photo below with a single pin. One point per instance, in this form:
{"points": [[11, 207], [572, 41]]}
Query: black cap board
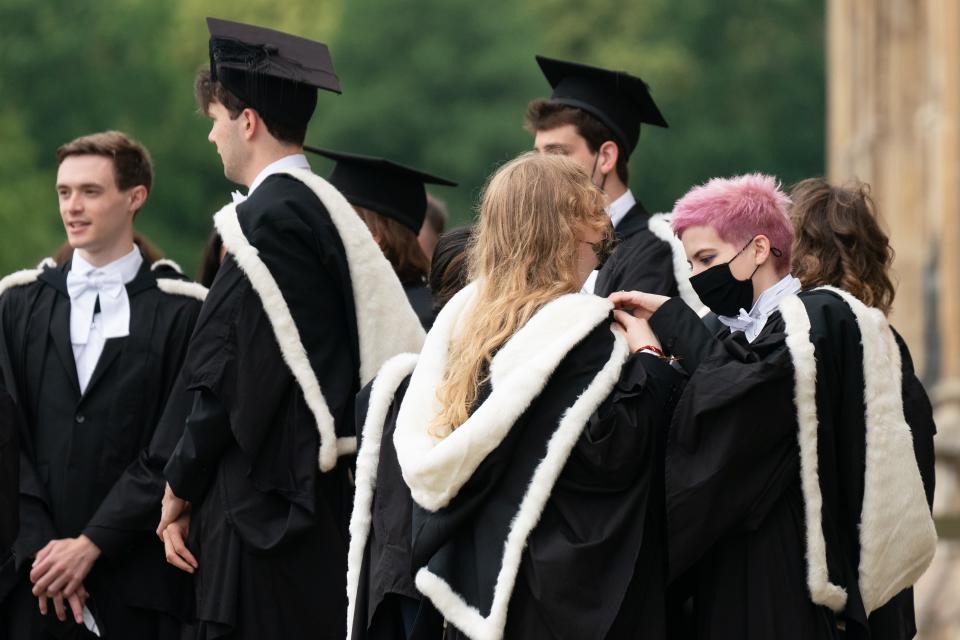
{"points": [[616, 98], [388, 188], [276, 73]]}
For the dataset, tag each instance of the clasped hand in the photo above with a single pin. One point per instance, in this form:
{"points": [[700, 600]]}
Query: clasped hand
{"points": [[173, 529], [58, 572]]}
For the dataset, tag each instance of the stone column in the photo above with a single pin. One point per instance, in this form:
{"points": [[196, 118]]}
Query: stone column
{"points": [[893, 76]]}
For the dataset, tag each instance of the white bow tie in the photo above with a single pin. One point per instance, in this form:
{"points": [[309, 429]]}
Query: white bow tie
{"points": [[740, 322], [84, 289], [237, 197]]}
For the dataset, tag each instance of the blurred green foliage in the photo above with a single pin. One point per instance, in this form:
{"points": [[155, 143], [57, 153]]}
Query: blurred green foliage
{"points": [[440, 84]]}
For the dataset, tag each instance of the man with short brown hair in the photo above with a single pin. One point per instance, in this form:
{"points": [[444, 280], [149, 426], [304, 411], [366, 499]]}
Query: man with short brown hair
{"points": [[90, 351], [302, 312], [594, 116]]}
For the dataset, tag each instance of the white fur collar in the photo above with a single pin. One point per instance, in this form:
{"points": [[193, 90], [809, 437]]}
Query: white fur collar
{"points": [[386, 324], [25, 276], [435, 470], [659, 225], [897, 534], [368, 458]]}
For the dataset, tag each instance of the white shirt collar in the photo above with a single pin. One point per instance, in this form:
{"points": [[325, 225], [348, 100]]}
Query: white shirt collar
{"points": [[752, 323], [619, 208], [126, 267], [293, 161]]}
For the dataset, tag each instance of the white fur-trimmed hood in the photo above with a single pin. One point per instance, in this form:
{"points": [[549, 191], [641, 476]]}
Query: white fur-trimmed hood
{"points": [[386, 324], [897, 534], [435, 470]]}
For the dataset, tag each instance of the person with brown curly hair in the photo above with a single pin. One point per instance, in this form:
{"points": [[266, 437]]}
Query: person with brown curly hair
{"points": [[839, 242]]}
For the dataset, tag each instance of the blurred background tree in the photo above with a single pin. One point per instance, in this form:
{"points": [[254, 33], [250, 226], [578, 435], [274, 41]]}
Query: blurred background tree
{"points": [[440, 84]]}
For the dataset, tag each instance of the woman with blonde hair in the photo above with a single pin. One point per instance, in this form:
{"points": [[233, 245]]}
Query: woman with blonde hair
{"points": [[512, 465]]}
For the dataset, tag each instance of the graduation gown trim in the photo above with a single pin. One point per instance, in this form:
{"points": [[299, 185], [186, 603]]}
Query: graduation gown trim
{"points": [[178, 287], [25, 276], [436, 470], [659, 225], [182, 288], [385, 386], [375, 288], [897, 533], [166, 262]]}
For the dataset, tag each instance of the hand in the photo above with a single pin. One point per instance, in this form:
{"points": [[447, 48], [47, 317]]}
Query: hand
{"points": [[174, 547], [61, 567], [637, 331], [171, 509], [642, 305], [76, 600]]}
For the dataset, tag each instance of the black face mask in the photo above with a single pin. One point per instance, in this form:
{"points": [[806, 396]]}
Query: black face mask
{"points": [[721, 291], [604, 249]]}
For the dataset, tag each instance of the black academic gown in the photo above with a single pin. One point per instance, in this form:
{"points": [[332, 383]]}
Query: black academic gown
{"points": [[418, 294], [268, 528], [89, 463], [735, 509], [593, 567], [389, 607], [641, 261], [10, 424]]}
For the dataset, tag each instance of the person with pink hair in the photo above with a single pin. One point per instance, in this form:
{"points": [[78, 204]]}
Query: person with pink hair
{"points": [[795, 507]]}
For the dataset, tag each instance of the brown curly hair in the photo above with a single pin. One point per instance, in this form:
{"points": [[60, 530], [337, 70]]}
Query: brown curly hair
{"points": [[839, 241]]}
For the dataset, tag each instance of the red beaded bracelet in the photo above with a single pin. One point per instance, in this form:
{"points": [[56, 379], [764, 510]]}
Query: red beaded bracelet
{"points": [[650, 347]]}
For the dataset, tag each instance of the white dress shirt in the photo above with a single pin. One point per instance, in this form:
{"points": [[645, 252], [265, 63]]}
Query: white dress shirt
{"points": [[617, 210], [752, 323], [89, 331], [293, 161]]}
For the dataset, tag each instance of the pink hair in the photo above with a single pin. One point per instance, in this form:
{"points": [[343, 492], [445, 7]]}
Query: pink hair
{"points": [[739, 209]]}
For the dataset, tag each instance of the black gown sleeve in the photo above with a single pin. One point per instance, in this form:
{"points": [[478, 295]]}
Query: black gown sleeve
{"points": [[36, 524], [683, 334], [9, 470], [919, 414], [205, 437]]}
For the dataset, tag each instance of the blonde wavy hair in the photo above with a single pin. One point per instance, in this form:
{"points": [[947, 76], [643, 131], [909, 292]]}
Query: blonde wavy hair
{"points": [[534, 213]]}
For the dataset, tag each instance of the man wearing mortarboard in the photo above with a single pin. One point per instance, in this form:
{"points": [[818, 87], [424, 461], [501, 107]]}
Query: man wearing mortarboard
{"points": [[594, 116], [302, 313], [392, 199]]}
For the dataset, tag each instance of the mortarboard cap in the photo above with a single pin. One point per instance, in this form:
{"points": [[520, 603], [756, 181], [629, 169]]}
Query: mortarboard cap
{"points": [[380, 185], [616, 98], [274, 72]]}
